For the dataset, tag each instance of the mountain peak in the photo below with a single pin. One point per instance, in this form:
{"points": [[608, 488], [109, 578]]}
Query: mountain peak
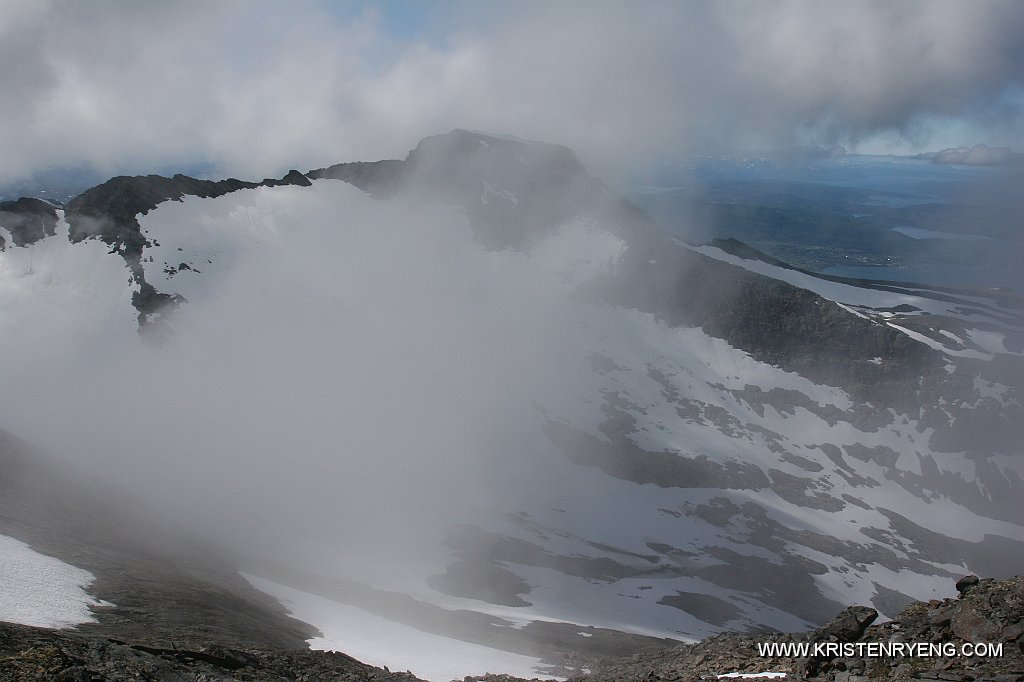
{"points": [[467, 145]]}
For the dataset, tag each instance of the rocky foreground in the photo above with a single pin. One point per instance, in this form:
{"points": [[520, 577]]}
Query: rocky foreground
{"points": [[987, 612]]}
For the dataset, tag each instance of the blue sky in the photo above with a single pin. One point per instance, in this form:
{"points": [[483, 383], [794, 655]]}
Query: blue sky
{"points": [[404, 20]]}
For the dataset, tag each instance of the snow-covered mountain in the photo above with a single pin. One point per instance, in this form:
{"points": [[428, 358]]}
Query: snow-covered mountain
{"points": [[476, 392]]}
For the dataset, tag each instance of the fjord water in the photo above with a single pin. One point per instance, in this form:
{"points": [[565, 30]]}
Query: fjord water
{"points": [[863, 216]]}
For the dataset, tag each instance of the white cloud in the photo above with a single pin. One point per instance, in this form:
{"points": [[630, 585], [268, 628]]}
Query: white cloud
{"points": [[257, 88]]}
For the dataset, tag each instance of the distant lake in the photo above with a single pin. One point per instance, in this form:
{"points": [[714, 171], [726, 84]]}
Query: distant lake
{"points": [[949, 275], [919, 233]]}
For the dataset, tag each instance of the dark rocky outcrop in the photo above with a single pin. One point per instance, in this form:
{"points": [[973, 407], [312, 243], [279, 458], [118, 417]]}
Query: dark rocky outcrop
{"points": [[379, 179], [28, 220], [110, 211], [848, 626]]}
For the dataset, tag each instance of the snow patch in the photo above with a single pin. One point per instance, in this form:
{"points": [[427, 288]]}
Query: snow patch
{"points": [[951, 335], [379, 641], [932, 343], [41, 590], [988, 341]]}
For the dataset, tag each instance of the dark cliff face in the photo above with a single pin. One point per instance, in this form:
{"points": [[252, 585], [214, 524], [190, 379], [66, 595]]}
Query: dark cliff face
{"points": [[28, 220], [774, 321]]}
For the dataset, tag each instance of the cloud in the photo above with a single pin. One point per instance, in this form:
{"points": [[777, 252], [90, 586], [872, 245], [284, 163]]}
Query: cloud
{"points": [[257, 88], [341, 382]]}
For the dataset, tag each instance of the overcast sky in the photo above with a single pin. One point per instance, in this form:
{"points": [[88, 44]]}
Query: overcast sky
{"points": [[255, 88]]}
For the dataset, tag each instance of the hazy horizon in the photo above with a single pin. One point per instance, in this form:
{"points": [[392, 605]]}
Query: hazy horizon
{"points": [[254, 89]]}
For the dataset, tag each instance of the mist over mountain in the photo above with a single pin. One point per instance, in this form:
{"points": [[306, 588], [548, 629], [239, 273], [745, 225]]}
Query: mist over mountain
{"points": [[475, 392], [703, 320]]}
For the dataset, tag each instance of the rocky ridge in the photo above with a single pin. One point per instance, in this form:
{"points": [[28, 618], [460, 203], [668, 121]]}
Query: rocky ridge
{"points": [[110, 211], [514, 192], [27, 220], [986, 612]]}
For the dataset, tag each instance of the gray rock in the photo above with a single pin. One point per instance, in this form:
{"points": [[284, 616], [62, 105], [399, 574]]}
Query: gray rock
{"points": [[849, 625], [966, 583], [971, 626]]}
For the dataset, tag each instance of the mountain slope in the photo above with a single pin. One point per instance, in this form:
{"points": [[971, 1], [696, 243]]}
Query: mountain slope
{"points": [[479, 381], [154, 583]]}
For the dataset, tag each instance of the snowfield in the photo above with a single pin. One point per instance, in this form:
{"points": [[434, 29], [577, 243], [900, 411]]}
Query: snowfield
{"points": [[378, 641], [40, 590]]}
